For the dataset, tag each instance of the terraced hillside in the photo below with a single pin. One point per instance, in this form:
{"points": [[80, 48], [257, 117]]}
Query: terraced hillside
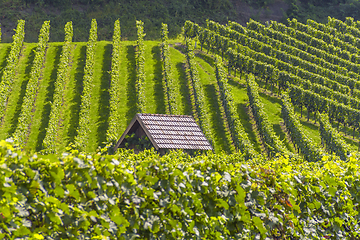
{"points": [[232, 79]]}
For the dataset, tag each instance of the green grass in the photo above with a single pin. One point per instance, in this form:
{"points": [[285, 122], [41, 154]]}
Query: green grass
{"points": [[73, 89], [44, 97], [18, 91], [310, 128], [127, 86], [241, 100], [154, 94], [272, 107], [99, 110], [177, 61], [221, 135]]}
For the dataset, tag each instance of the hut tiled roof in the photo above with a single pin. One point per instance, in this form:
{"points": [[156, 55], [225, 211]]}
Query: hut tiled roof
{"points": [[169, 131]]}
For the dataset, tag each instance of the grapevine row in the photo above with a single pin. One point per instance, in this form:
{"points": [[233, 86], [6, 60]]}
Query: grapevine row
{"points": [[254, 30], [213, 39], [238, 134], [330, 31], [84, 129], [32, 86], [267, 134], [216, 196], [332, 139], [112, 133], [281, 56], [273, 75], [316, 103], [321, 37], [50, 140], [168, 82], [347, 27], [317, 43], [284, 79], [349, 22], [7, 79], [140, 67], [298, 137], [328, 93], [198, 92], [288, 40]]}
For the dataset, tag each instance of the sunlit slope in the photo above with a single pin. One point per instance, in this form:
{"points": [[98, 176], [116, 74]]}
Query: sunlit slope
{"points": [[154, 94], [334, 87], [100, 96]]}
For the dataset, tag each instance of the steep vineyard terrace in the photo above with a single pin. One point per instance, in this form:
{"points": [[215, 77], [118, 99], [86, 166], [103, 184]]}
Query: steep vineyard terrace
{"points": [[85, 93]]}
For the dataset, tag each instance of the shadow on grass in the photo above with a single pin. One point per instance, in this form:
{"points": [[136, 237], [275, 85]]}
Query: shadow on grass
{"points": [[184, 89], [19, 103], [158, 86], [313, 131], [309, 125], [245, 121], [4, 62], [48, 99], [206, 58], [104, 109], [282, 136], [131, 89], [216, 118], [270, 98], [180, 48], [76, 101], [236, 84]]}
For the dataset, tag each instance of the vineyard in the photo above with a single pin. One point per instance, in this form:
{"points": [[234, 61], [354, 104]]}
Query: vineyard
{"points": [[280, 104]]}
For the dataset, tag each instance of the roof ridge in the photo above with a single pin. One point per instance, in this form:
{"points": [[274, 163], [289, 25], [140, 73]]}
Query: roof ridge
{"points": [[164, 115]]}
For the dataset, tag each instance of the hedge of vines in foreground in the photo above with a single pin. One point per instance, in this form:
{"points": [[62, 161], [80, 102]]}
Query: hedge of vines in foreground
{"points": [[176, 197]]}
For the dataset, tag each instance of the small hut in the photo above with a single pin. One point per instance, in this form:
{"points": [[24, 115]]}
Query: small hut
{"points": [[165, 132]]}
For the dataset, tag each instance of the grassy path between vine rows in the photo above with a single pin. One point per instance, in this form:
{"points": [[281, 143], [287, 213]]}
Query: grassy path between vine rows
{"points": [[44, 97], [272, 107], [72, 97], [310, 128], [127, 108], [154, 90], [17, 94], [177, 62], [241, 101], [99, 109], [221, 135]]}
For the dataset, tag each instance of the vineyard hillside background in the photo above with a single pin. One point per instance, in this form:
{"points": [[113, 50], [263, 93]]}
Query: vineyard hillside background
{"points": [[75, 91]]}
